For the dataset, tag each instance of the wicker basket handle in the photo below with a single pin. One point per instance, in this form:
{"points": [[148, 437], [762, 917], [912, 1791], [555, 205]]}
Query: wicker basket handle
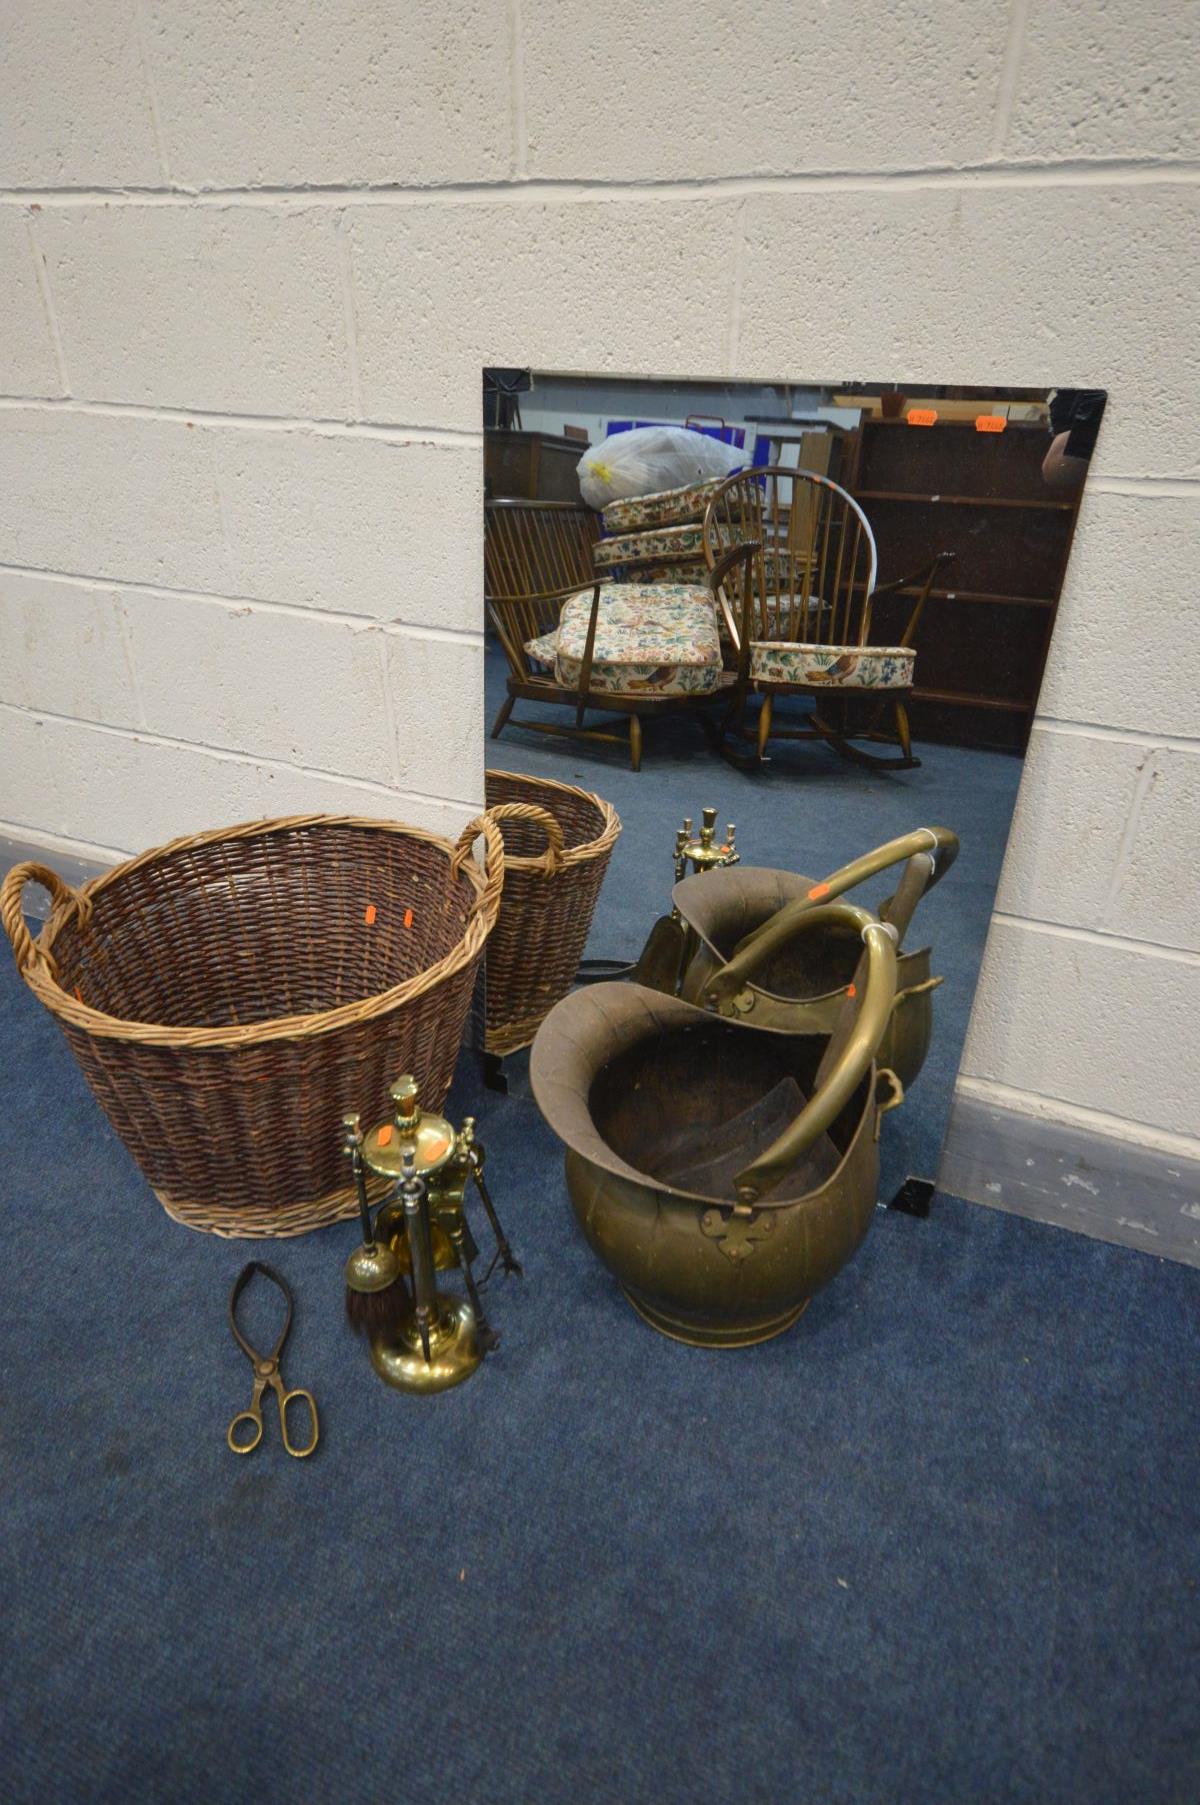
{"points": [[12, 914], [493, 842], [552, 858]]}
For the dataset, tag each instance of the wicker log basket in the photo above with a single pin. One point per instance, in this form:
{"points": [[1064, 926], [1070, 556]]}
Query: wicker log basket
{"points": [[232, 995], [557, 842]]}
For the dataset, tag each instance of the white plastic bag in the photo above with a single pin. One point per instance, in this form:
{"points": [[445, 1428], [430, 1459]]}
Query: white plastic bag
{"points": [[648, 459]]}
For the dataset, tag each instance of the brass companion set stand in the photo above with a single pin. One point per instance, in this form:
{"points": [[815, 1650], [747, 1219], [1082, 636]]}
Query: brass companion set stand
{"points": [[707, 852], [661, 959], [422, 1339]]}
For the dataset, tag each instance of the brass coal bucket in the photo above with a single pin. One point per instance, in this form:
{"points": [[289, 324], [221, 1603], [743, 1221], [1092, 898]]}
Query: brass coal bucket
{"points": [[801, 982], [723, 1172]]}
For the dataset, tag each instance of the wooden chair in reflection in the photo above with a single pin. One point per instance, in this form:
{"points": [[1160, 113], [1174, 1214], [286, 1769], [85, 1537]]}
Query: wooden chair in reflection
{"points": [[583, 643], [792, 563]]}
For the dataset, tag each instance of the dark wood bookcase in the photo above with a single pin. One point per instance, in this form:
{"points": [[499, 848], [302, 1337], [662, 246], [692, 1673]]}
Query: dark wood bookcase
{"points": [[983, 638], [531, 466]]}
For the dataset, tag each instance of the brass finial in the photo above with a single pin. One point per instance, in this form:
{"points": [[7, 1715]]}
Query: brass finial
{"points": [[706, 852], [405, 1095]]}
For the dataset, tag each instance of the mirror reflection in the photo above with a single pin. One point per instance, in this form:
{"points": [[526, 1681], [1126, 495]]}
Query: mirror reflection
{"points": [[761, 666]]}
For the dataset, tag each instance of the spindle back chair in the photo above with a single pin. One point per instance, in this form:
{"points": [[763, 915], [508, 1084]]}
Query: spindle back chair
{"points": [[792, 563], [536, 555], [535, 548]]}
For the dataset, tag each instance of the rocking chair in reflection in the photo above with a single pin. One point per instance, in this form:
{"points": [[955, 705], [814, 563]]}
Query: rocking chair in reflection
{"points": [[792, 563]]}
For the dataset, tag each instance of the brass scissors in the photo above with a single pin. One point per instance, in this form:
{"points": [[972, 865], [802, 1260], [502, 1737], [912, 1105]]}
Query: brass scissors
{"points": [[266, 1370]]}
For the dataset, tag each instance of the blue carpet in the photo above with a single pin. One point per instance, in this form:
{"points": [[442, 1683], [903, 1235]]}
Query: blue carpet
{"points": [[939, 1543]]}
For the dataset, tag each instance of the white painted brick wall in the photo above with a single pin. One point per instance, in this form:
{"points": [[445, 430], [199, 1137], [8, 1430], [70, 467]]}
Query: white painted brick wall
{"points": [[63, 650], [78, 107], [630, 284], [380, 527], [1106, 836], [1097, 80], [223, 309], [1076, 794], [434, 677], [1124, 647], [1154, 897], [672, 92], [28, 364], [68, 779], [1089, 1022], [278, 94], [110, 495], [270, 682], [251, 261]]}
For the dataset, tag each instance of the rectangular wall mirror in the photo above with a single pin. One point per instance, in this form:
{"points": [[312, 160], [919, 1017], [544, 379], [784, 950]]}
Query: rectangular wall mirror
{"points": [[781, 624]]}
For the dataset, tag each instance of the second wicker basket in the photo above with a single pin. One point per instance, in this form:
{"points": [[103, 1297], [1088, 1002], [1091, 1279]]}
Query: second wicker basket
{"points": [[557, 842]]}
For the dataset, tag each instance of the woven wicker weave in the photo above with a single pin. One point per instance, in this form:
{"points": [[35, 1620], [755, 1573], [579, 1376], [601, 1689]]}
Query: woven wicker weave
{"points": [[230, 996], [557, 841]]}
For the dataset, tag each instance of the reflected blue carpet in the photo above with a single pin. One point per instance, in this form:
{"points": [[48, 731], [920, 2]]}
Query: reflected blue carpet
{"points": [[939, 1543]]}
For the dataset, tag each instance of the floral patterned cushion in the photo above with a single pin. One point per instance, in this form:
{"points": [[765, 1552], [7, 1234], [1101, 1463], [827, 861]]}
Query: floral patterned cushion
{"points": [[670, 507], [779, 613], [543, 650], [773, 623], [839, 667], [662, 546], [693, 571], [660, 638]]}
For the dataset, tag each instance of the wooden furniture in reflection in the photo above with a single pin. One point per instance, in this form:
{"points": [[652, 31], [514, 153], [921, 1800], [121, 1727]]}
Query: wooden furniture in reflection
{"points": [[531, 466], [982, 641], [534, 548], [792, 562], [823, 450], [536, 555]]}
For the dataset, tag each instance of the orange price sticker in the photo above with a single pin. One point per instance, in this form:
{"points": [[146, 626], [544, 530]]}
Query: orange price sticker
{"points": [[922, 416], [369, 915], [990, 423], [384, 1135], [817, 892], [408, 918]]}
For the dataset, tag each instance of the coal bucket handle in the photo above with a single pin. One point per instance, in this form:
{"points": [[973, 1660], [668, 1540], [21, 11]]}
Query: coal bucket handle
{"points": [[895, 1095], [857, 1042], [728, 989], [918, 876], [938, 842]]}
